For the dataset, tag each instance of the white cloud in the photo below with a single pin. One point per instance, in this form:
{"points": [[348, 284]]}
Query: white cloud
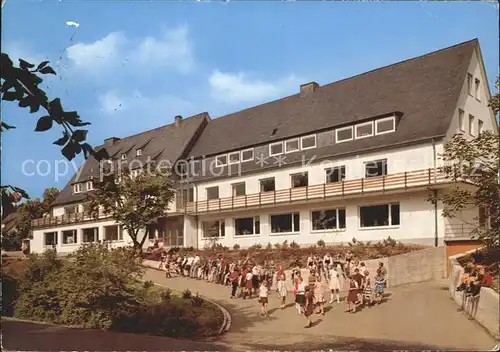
{"points": [[172, 49], [239, 87]]}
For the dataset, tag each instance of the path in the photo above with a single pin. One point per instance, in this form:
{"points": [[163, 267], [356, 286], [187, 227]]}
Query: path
{"points": [[416, 316]]}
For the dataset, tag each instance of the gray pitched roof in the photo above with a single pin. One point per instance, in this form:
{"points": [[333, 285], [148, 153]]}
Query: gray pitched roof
{"points": [[425, 89], [169, 142]]}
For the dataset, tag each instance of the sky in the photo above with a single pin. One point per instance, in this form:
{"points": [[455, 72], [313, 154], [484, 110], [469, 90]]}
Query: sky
{"points": [[131, 66]]}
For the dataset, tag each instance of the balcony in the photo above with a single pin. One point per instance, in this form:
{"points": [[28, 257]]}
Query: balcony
{"points": [[327, 191], [68, 219]]}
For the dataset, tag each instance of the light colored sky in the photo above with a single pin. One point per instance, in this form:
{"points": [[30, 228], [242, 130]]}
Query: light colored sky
{"points": [[133, 65]]}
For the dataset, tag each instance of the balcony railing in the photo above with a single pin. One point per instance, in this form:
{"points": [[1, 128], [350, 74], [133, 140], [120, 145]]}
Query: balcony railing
{"points": [[68, 219], [460, 230], [322, 191]]}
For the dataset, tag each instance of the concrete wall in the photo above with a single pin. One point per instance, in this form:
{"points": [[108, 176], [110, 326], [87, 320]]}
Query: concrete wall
{"points": [[486, 310], [416, 223]]}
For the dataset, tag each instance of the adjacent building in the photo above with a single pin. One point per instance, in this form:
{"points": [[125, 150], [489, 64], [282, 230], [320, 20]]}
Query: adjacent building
{"points": [[357, 158]]}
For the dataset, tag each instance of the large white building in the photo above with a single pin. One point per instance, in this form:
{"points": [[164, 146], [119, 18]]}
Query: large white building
{"points": [[357, 158]]}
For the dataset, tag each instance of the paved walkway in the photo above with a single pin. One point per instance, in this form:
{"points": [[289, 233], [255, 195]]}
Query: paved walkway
{"points": [[416, 316]]}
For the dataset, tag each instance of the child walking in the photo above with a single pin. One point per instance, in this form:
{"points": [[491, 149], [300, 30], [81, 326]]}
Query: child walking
{"points": [[300, 298], [352, 296], [282, 291], [319, 295], [263, 297], [334, 284], [379, 286], [308, 306]]}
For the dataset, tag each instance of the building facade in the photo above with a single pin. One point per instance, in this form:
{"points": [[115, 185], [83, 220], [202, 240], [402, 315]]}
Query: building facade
{"points": [[357, 158]]}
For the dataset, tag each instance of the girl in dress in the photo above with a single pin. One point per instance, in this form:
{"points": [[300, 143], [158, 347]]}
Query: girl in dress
{"points": [[300, 299], [248, 285], [334, 284], [379, 286], [308, 306], [263, 294], [282, 289], [319, 296], [352, 296]]}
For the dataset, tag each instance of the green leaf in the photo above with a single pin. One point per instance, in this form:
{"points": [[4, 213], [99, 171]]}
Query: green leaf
{"points": [[62, 141], [79, 135], [48, 70], [9, 96], [55, 107], [42, 65], [34, 106], [44, 123], [6, 126], [24, 102], [25, 64]]}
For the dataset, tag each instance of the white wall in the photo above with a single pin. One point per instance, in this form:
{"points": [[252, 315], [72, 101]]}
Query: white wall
{"points": [[416, 223], [398, 160], [190, 231], [470, 105], [37, 243]]}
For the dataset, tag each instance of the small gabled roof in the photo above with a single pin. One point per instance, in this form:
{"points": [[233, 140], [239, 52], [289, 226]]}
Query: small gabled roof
{"points": [[171, 141], [425, 89]]}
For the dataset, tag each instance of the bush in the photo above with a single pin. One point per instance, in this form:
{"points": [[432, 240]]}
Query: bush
{"points": [[321, 243], [9, 294], [269, 246], [255, 247], [285, 244], [294, 245], [277, 245], [197, 301], [148, 284], [236, 247], [166, 295], [186, 294], [174, 250]]}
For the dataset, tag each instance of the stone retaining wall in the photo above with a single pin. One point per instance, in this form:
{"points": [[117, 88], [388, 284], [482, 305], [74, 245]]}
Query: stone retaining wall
{"points": [[486, 309]]}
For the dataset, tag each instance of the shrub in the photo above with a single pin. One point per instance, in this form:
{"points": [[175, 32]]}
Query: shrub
{"points": [[9, 294], [255, 247], [186, 294], [197, 301], [277, 245], [174, 250], [269, 246], [285, 244], [244, 253], [294, 245], [321, 243], [236, 247], [148, 284], [166, 295]]}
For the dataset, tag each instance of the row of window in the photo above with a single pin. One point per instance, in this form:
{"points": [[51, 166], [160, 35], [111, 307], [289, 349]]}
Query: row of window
{"points": [[473, 131], [83, 186], [321, 220], [138, 152], [473, 86], [89, 235], [344, 134], [334, 174]]}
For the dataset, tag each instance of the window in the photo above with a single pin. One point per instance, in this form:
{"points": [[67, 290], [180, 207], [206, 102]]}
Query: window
{"points": [[113, 233], [234, 158], [213, 228], [187, 195], [385, 125], [221, 160], [239, 189], [376, 168], [332, 219], [308, 142], [479, 126], [72, 209], [461, 122], [50, 238], [469, 84], [90, 234], [335, 174], [124, 156], [212, 192], [299, 180], [471, 125], [247, 226], [344, 134], [276, 148], [69, 237], [90, 185], [138, 152], [77, 187], [292, 145], [285, 223], [379, 215], [267, 185], [364, 130], [477, 90], [247, 155]]}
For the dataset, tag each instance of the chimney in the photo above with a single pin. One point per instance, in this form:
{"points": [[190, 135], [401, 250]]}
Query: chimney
{"points": [[308, 88], [178, 120], [108, 142]]}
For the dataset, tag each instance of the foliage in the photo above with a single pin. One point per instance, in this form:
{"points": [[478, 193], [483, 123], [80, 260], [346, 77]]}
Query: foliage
{"points": [[166, 295], [475, 161], [285, 244], [321, 243], [236, 247], [197, 301], [255, 247], [136, 202], [269, 246], [186, 293], [494, 102], [294, 245], [9, 294]]}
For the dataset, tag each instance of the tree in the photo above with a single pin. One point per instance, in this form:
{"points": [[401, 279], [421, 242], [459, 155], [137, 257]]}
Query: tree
{"points": [[134, 202], [22, 85], [477, 162]]}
